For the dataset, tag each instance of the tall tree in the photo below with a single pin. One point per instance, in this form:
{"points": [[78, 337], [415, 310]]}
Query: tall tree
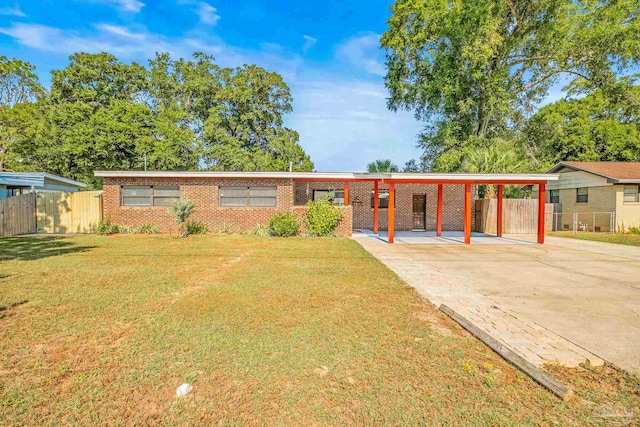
{"points": [[19, 86], [18, 82], [474, 69], [593, 128], [244, 129], [382, 166]]}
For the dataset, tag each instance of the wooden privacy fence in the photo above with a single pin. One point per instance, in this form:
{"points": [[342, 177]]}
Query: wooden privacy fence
{"points": [[50, 213], [68, 212], [18, 215], [520, 216]]}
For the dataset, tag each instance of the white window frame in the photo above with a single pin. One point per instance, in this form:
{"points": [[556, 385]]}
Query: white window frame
{"points": [[631, 192], [250, 200], [151, 198]]}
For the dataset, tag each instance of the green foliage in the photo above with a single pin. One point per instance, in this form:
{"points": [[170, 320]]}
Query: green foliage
{"points": [[321, 218], [105, 227], [259, 230], [196, 227], [182, 209], [497, 157], [634, 230], [284, 225], [478, 68], [593, 128], [381, 166], [147, 228], [102, 113]]}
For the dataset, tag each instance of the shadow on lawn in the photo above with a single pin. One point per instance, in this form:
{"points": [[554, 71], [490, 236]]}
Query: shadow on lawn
{"points": [[31, 248]]}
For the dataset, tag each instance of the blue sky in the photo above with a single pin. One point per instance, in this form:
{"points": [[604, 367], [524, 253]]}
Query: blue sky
{"points": [[327, 51]]}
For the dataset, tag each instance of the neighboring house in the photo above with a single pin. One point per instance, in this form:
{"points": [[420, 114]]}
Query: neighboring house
{"points": [[598, 187], [243, 199], [14, 183]]}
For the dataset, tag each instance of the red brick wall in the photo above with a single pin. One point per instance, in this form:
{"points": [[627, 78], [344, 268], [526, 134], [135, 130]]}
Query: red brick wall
{"points": [[452, 208], [204, 193]]}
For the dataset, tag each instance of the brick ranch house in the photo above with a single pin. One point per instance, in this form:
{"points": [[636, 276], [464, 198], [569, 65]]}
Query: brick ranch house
{"points": [[386, 201]]}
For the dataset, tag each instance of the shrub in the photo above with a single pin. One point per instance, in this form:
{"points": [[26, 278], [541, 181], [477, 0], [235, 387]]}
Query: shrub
{"points": [[147, 228], [259, 230], [106, 228], [196, 227], [284, 225], [321, 218], [123, 229], [634, 230], [182, 209], [226, 229]]}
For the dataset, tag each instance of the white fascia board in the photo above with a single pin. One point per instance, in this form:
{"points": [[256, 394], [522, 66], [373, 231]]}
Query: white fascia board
{"points": [[475, 177], [210, 174], [330, 175]]}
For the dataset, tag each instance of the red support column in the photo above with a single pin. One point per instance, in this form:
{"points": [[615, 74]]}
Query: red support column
{"points": [[392, 207], [346, 193], [499, 212], [375, 207], [467, 213], [541, 201], [439, 215]]}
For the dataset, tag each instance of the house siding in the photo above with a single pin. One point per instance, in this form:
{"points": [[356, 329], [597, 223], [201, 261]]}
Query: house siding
{"points": [[627, 213], [204, 193]]}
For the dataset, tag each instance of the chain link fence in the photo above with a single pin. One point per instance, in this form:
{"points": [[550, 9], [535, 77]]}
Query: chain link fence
{"points": [[576, 222]]}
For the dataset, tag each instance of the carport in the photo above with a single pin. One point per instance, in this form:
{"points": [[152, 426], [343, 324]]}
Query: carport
{"points": [[397, 180]]}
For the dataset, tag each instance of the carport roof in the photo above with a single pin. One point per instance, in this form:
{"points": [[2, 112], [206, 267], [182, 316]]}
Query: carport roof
{"points": [[339, 176]]}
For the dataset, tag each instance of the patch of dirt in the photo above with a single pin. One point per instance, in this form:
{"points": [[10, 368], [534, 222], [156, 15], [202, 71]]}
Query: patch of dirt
{"points": [[438, 323]]}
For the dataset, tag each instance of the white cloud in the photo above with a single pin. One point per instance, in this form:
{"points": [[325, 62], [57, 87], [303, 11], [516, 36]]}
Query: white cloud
{"points": [[207, 13], [131, 6], [309, 42], [140, 44], [12, 11], [119, 41], [363, 51], [120, 31], [344, 124]]}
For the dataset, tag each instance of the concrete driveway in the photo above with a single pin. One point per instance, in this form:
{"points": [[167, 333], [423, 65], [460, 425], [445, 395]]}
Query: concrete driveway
{"points": [[585, 292]]}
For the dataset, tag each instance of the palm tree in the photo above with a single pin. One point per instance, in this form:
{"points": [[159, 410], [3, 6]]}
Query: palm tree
{"points": [[496, 158], [381, 166]]}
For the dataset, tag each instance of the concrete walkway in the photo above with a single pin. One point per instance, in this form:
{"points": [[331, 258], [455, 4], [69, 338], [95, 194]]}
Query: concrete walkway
{"points": [[528, 297]]}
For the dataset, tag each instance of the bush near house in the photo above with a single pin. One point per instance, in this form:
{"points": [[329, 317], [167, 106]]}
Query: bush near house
{"points": [[182, 209], [284, 225], [196, 227], [321, 218]]}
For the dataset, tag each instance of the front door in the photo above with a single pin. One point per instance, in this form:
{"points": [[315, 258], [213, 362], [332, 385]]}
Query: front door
{"points": [[419, 211]]}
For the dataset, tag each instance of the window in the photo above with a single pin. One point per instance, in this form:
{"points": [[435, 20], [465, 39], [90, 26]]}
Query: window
{"points": [[146, 195], [631, 193], [336, 195], [554, 196], [164, 196], [582, 195], [248, 196], [383, 199]]}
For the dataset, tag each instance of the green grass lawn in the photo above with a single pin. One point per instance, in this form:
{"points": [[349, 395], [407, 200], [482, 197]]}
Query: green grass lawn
{"points": [[622, 239], [101, 330]]}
